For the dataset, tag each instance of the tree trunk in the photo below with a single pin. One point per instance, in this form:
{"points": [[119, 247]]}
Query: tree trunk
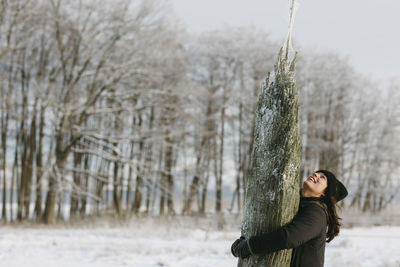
{"points": [[4, 128], [168, 175], [29, 163], [139, 174], [205, 188], [101, 186], [241, 161], [73, 211], [116, 196], [14, 180], [24, 148], [84, 184], [161, 184], [218, 182], [272, 193], [147, 163], [39, 166], [208, 131], [162, 194], [61, 157], [49, 212], [23, 178]]}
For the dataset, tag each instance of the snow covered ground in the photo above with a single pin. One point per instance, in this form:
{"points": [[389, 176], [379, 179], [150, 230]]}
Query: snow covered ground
{"points": [[172, 242]]}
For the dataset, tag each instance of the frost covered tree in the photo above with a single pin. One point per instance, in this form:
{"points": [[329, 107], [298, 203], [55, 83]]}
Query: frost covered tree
{"points": [[114, 108], [326, 81], [272, 192]]}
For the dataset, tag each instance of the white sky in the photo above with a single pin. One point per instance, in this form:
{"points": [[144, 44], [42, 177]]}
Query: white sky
{"points": [[364, 30]]}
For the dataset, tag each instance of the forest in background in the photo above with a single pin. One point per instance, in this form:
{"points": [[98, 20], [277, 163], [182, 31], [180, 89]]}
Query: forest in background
{"points": [[112, 107]]}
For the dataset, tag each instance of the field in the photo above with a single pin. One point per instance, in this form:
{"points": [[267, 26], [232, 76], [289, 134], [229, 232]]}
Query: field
{"points": [[172, 242]]}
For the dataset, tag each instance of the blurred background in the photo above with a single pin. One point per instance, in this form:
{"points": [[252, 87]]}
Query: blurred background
{"points": [[121, 114]]}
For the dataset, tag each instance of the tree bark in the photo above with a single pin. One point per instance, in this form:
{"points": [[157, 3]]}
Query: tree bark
{"points": [[29, 163], [139, 173], [14, 179], [218, 180], [61, 154], [116, 196], [39, 166], [148, 166], [205, 187], [168, 175], [4, 129], [84, 184], [208, 131], [272, 193], [73, 211]]}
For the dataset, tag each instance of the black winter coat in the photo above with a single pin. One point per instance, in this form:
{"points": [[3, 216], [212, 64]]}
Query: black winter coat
{"points": [[306, 234]]}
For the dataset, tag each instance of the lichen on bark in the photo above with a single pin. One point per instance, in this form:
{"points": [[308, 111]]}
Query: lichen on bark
{"points": [[272, 193]]}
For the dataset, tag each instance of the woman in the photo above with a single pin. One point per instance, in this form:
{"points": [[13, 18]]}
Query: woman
{"points": [[315, 223]]}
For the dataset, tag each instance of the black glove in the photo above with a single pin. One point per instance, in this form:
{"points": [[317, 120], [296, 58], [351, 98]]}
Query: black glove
{"points": [[240, 248], [235, 244]]}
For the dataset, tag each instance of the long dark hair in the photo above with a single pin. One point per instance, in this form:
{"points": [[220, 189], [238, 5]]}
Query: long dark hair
{"points": [[333, 218]]}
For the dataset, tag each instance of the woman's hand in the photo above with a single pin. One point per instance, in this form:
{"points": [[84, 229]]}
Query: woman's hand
{"points": [[240, 248]]}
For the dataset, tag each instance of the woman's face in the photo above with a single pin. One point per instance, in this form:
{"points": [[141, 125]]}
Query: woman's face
{"points": [[315, 185]]}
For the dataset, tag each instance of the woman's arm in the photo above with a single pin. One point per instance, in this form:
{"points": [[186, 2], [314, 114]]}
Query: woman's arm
{"points": [[309, 223]]}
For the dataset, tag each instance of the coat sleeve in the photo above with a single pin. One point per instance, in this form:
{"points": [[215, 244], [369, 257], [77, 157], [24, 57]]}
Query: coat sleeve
{"points": [[309, 223]]}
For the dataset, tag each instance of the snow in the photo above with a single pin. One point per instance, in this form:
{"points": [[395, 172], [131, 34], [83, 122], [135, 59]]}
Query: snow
{"points": [[172, 242], [365, 246]]}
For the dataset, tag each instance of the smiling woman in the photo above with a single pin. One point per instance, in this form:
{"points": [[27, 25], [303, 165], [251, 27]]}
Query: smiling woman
{"points": [[315, 185], [316, 222]]}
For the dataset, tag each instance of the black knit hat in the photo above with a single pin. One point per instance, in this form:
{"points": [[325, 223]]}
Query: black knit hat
{"points": [[335, 187]]}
